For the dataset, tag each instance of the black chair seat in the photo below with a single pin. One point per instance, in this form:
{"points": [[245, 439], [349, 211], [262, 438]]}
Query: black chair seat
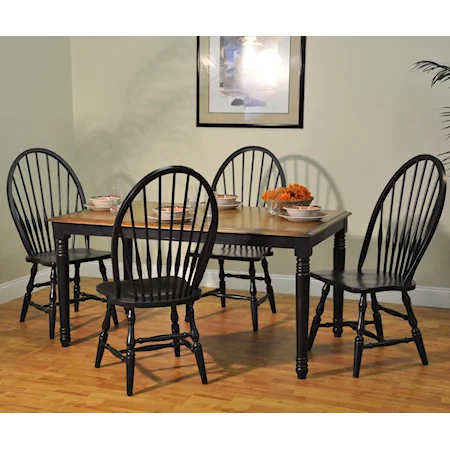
{"points": [[76, 255], [241, 253], [151, 293], [362, 282]]}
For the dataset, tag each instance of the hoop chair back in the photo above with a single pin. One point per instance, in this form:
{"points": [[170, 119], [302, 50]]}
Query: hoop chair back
{"points": [[405, 217], [247, 173], [169, 258], [41, 185]]}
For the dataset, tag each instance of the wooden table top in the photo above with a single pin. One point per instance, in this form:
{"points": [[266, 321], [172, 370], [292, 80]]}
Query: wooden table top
{"points": [[244, 220]]}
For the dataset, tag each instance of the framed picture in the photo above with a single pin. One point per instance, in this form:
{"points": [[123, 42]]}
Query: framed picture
{"points": [[250, 81]]}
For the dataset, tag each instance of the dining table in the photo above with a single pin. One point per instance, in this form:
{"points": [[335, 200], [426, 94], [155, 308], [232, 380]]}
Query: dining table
{"points": [[252, 226]]}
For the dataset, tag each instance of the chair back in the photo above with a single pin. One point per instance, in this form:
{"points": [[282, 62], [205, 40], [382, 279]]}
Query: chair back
{"points": [[405, 217], [41, 185], [247, 173], [166, 255]]}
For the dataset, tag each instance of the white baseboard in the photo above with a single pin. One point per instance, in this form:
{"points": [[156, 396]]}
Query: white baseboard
{"points": [[284, 284], [16, 288]]}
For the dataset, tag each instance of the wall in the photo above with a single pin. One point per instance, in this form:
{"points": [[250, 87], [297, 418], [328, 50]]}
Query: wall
{"points": [[365, 114], [35, 111], [133, 110]]}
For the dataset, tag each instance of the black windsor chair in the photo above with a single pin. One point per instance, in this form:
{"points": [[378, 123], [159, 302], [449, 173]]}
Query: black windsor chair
{"points": [[167, 257], [247, 173], [42, 185], [400, 229]]}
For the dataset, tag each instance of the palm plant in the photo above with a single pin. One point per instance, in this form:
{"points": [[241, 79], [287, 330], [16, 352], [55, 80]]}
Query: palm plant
{"points": [[441, 74]]}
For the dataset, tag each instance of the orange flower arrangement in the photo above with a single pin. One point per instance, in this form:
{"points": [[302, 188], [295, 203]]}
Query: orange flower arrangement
{"points": [[292, 192]]}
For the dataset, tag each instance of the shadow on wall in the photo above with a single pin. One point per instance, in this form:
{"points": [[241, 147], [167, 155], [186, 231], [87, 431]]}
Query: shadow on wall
{"points": [[307, 172], [156, 123]]}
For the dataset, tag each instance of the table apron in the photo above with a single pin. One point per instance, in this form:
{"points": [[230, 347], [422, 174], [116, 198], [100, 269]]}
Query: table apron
{"points": [[65, 229]]}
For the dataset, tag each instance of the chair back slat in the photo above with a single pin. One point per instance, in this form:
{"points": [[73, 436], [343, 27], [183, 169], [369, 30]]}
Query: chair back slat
{"points": [[169, 255], [34, 196], [405, 217], [44, 208], [255, 171]]}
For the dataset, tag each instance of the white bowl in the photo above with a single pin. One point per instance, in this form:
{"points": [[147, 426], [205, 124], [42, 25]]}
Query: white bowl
{"points": [[104, 201], [226, 199], [166, 212], [303, 211]]}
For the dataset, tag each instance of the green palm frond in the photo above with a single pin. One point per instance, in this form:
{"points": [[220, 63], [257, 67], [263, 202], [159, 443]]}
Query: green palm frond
{"points": [[446, 115], [442, 72]]}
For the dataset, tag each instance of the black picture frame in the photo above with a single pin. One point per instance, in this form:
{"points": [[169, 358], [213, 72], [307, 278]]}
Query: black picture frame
{"points": [[212, 76]]}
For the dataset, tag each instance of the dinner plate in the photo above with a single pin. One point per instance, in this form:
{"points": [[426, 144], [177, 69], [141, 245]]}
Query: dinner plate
{"points": [[303, 219], [224, 207], [187, 218], [94, 208]]}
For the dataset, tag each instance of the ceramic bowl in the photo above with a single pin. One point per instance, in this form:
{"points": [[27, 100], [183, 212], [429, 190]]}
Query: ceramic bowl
{"points": [[166, 212], [303, 211], [226, 199], [104, 201]]}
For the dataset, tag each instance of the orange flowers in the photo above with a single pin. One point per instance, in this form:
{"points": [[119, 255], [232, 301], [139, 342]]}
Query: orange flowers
{"points": [[292, 192]]}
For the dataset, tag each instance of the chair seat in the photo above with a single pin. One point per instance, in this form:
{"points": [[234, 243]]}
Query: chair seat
{"points": [[76, 255], [241, 252], [151, 292], [362, 282]]}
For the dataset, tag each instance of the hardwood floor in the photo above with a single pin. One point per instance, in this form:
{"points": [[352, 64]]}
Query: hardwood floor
{"points": [[247, 371]]}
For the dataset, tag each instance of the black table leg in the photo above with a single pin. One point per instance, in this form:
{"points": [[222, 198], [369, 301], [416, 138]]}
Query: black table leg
{"points": [[62, 271], [302, 315], [338, 264]]}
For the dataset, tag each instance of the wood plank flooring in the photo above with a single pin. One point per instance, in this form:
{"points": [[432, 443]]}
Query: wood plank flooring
{"points": [[247, 371]]}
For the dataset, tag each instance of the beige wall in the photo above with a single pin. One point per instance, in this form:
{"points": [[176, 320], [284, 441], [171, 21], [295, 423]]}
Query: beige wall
{"points": [[365, 114], [35, 111], [134, 103]]}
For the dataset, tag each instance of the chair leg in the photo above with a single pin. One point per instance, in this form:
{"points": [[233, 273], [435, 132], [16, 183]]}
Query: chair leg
{"points": [[103, 335], [130, 352], [359, 340], [175, 329], [196, 346], [253, 300], [52, 307], [102, 268], [76, 288], [319, 311], [222, 285], [186, 316], [377, 315], [269, 287], [27, 296], [415, 330]]}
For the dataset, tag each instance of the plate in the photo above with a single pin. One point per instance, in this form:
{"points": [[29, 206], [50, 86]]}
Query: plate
{"points": [[94, 208], [303, 219], [223, 207], [187, 218]]}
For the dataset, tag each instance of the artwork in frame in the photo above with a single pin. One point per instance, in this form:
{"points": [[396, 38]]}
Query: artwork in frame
{"points": [[250, 81]]}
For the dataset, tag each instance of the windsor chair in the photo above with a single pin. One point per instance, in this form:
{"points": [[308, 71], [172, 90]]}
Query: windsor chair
{"points": [[167, 273], [247, 173], [400, 229], [41, 185]]}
